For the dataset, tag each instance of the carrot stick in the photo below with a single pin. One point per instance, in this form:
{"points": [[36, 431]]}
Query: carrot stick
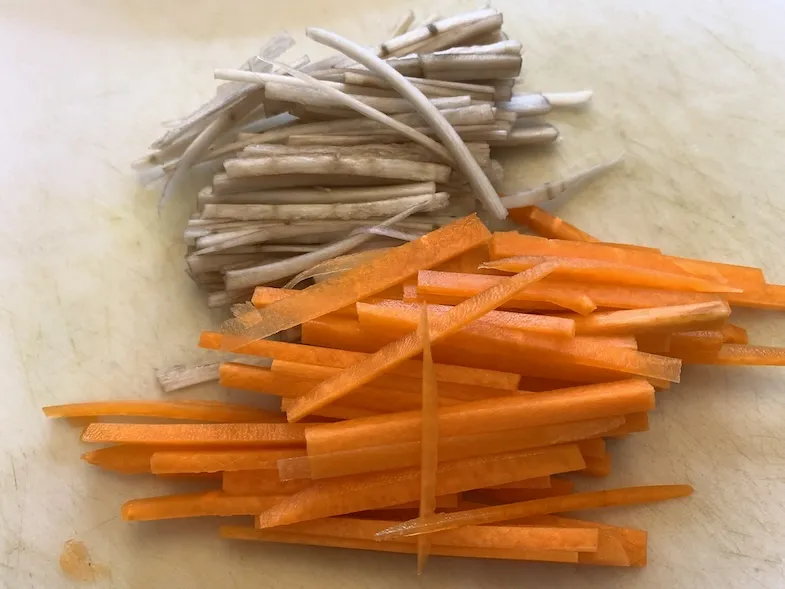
{"points": [[733, 334], [374, 276], [561, 538], [741, 355], [536, 483], [687, 342], [124, 458], [635, 321], [275, 535], [468, 261], [441, 502], [545, 324], [392, 382], [259, 482], [197, 410], [211, 503], [264, 380], [330, 497], [407, 454], [510, 244], [593, 448], [491, 415], [264, 296], [583, 270], [429, 440], [449, 288], [343, 359], [336, 411], [630, 246], [195, 461], [765, 296], [395, 353], [616, 546], [574, 502], [227, 434], [654, 343], [478, 336], [496, 496], [547, 225], [597, 466]]}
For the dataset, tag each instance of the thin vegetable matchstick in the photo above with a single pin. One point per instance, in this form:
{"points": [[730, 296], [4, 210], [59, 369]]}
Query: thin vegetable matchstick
{"points": [[575, 502], [229, 434], [196, 410]]}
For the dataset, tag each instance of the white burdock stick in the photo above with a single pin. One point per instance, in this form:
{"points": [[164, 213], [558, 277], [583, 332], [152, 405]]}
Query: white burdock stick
{"points": [[449, 137], [327, 195]]}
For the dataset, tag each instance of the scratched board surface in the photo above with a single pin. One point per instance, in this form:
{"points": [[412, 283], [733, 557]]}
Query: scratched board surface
{"points": [[94, 296]]}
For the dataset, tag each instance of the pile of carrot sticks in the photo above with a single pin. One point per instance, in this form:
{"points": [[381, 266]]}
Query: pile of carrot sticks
{"points": [[447, 397]]}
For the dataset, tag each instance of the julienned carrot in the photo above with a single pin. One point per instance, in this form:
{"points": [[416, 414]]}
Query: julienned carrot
{"points": [[454, 284], [196, 410], [204, 434], [407, 454], [574, 502], [496, 496], [123, 458], [264, 380], [637, 321], [733, 334], [264, 296], [275, 535], [547, 225], [259, 482], [211, 503], [392, 267], [598, 466], [561, 537], [536, 483], [616, 546], [195, 461], [533, 302], [330, 497], [478, 336], [740, 355], [395, 353], [603, 271], [688, 342], [594, 448], [633, 423], [429, 440], [557, 326], [510, 244], [491, 415], [392, 382], [449, 288], [765, 296], [631, 246], [343, 359], [469, 261]]}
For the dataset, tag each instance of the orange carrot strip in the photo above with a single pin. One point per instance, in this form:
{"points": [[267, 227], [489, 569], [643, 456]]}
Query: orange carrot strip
{"points": [[478, 336], [491, 415], [124, 458], [578, 539], [536, 483], [411, 295], [407, 454], [597, 466], [429, 440], [558, 326], [633, 423], [342, 359], [335, 411], [456, 287], [395, 353], [646, 320], [442, 502], [562, 503], [741, 355], [630, 246], [616, 546], [654, 343], [510, 244], [392, 382], [197, 410], [196, 461], [496, 496], [593, 448], [264, 380], [211, 503], [583, 270], [275, 535], [259, 482], [227, 434], [264, 296], [468, 261], [547, 225], [766, 296], [734, 334], [687, 342], [330, 497], [365, 280]]}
